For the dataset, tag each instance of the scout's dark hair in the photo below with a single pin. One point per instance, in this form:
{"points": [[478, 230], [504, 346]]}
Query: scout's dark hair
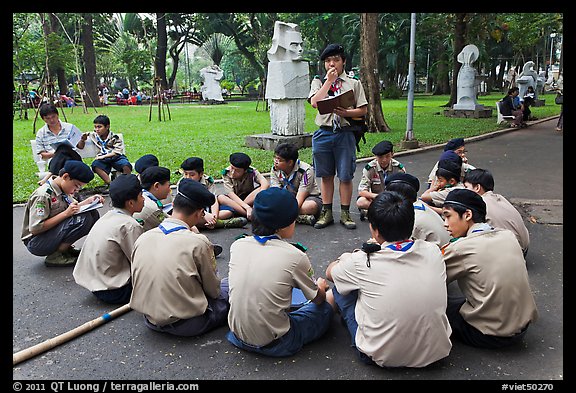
{"points": [[48, 109], [480, 176], [185, 205], [287, 151], [259, 229], [476, 216], [404, 189], [392, 215], [102, 119]]}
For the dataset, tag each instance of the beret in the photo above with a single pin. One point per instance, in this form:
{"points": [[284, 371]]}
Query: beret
{"points": [[467, 199], [193, 164], [450, 166], [195, 192], [145, 161], [154, 174], [401, 177], [454, 144], [240, 160], [78, 170], [382, 148], [275, 207], [332, 50], [451, 156], [124, 184]]}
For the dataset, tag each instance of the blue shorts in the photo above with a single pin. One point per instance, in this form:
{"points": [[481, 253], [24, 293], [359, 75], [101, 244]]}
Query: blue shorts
{"points": [[334, 153], [117, 162], [307, 324]]}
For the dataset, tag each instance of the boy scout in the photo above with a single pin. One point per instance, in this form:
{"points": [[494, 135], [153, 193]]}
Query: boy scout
{"points": [[155, 182], [298, 177], [374, 175], [193, 168], [447, 179], [392, 295], [104, 263], [500, 213], [498, 304], [143, 163], [263, 270], [428, 225], [51, 220], [458, 146], [171, 253], [242, 183]]}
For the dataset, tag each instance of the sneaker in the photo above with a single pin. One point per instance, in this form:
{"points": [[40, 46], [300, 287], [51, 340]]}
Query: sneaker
{"points": [[363, 214], [235, 222], [72, 252], [59, 259], [306, 219], [346, 220], [325, 219], [217, 249]]}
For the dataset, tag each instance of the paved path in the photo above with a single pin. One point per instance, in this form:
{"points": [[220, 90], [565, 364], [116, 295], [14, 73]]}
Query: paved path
{"points": [[528, 167]]}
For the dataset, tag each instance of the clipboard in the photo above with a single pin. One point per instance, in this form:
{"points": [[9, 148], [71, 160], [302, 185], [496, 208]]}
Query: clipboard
{"points": [[344, 100]]}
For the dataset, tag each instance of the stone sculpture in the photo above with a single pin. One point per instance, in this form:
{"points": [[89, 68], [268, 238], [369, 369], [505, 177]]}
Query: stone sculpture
{"points": [[468, 80], [211, 77]]}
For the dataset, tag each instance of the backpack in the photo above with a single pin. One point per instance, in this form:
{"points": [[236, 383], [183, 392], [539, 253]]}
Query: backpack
{"points": [[359, 128]]}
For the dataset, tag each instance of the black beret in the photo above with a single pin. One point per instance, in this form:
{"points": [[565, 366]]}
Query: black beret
{"points": [[454, 144], [124, 185], [467, 199], [195, 192], [240, 160], [154, 174], [275, 207], [382, 148], [78, 170], [451, 167], [332, 50], [193, 164], [451, 156], [401, 177], [145, 161]]}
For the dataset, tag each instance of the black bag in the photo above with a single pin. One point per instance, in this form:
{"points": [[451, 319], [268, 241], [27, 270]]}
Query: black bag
{"points": [[358, 127], [559, 99]]}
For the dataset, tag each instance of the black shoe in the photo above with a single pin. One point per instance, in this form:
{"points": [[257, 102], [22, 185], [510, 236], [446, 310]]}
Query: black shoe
{"points": [[217, 249]]}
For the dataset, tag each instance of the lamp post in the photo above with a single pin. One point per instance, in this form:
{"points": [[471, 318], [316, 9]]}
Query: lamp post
{"points": [[409, 142], [549, 69]]}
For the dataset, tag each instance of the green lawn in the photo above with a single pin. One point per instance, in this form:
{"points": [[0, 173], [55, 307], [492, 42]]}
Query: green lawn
{"points": [[213, 132]]}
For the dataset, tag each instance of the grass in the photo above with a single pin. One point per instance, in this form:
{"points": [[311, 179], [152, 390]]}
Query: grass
{"points": [[213, 132]]}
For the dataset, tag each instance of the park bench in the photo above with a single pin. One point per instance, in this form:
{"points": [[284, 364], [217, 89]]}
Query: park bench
{"points": [[502, 118], [90, 151]]}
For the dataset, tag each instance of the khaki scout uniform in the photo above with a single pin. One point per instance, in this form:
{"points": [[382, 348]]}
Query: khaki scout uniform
{"points": [[205, 180], [173, 271], [106, 255], [251, 180], [491, 273], [152, 213], [500, 213], [301, 179], [438, 197], [259, 307], [113, 143], [401, 306], [428, 225], [46, 201], [373, 175], [465, 168]]}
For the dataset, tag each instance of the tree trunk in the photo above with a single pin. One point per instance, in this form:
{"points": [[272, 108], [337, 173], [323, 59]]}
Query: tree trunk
{"points": [[459, 41], [160, 58], [89, 56], [369, 72], [442, 80]]}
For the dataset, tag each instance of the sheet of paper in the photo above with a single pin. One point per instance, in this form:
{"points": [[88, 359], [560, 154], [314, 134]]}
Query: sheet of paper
{"points": [[90, 206]]}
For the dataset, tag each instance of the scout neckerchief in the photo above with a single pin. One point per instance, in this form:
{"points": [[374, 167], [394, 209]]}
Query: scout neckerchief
{"points": [[264, 239], [168, 227], [66, 197], [481, 227], [421, 207], [151, 196], [102, 144], [288, 181], [335, 89]]}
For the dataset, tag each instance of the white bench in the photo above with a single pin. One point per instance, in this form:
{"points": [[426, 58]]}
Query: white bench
{"points": [[90, 150], [501, 118]]}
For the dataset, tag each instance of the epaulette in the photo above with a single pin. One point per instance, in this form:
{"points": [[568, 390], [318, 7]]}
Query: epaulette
{"points": [[316, 76], [300, 246], [49, 191], [241, 236], [210, 180], [399, 165], [301, 170], [369, 166], [356, 77], [224, 171], [250, 170], [139, 221]]}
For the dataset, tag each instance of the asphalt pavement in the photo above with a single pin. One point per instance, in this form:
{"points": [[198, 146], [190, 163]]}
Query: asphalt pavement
{"points": [[527, 165]]}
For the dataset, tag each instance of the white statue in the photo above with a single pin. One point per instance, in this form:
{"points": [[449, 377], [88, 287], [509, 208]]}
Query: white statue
{"points": [[468, 80], [211, 89], [528, 77], [287, 82]]}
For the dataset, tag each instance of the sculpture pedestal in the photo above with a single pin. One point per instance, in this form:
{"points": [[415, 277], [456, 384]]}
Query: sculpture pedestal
{"points": [[467, 113], [287, 116], [270, 141]]}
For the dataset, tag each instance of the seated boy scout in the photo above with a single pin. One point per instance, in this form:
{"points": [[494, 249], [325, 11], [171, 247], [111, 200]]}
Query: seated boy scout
{"points": [[458, 146], [174, 275], [500, 213], [263, 270], [242, 183], [448, 178], [51, 220], [104, 263], [155, 187], [298, 177], [488, 264], [374, 175]]}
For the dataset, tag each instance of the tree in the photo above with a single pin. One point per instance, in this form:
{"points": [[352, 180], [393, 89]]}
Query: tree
{"points": [[369, 72], [89, 57], [161, 48]]}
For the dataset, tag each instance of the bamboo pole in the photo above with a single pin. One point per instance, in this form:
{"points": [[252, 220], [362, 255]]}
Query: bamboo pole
{"points": [[44, 346]]}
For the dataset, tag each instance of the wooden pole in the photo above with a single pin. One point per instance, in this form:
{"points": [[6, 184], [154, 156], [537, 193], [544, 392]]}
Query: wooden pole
{"points": [[37, 349]]}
